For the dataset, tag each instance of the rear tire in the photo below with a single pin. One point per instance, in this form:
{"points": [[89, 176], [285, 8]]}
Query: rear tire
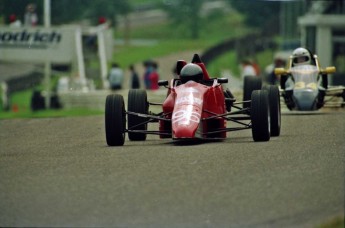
{"points": [[137, 102], [115, 120], [260, 116], [250, 84], [275, 110]]}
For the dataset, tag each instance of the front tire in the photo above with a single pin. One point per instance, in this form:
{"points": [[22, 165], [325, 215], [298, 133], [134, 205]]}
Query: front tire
{"points": [[137, 102], [115, 120], [260, 116], [250, 84], [275, 110]]}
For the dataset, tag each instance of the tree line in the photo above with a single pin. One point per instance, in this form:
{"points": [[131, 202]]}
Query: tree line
{"points": [[67, 11], [258, 13]]}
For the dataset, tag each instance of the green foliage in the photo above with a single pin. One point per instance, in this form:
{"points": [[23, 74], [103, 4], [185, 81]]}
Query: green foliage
{"points": [[216, 27], [62, 12], [140, 2], [106, 8], [186, 14], [259, 13], [66, 11]]}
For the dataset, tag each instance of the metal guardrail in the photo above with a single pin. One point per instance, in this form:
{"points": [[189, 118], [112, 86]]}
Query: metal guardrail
{"points": [[96, 99], [27, 80], [244, 46]]}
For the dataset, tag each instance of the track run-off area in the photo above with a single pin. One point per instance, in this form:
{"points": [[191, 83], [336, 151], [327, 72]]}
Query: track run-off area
{"points": [[60, 172]]}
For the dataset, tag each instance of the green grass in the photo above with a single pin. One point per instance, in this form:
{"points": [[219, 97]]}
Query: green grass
{"points": [[20, 108], [50, 113], [126, 55], [336, 222]]}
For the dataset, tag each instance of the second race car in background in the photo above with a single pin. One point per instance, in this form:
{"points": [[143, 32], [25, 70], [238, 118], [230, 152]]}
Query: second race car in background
{"points": [[305, 87]]}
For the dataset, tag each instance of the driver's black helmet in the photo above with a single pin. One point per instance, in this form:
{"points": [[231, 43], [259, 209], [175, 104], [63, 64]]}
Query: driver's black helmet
{"points": [[192, 72]]}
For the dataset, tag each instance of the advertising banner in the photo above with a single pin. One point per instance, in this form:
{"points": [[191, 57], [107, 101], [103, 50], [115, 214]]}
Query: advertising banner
{"points": [[38, 44]]}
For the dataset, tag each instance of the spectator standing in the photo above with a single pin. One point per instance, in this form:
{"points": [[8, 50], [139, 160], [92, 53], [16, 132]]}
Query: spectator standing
{"points": [[115, 77], [247, 69], [102, 23], [30, 17], [256, 67], [134, 80], [271, 77], [14, 21], [154, 77], [148, 69]]}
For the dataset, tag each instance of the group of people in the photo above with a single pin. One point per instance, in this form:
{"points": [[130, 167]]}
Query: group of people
{"points": [[30, 18], [150, 77]]}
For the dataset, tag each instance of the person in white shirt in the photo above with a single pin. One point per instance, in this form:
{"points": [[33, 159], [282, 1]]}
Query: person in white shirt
{"points": [[30, 17], [247, 69], [14, 21]]}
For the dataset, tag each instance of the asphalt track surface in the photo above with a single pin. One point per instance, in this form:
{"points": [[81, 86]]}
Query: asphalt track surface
{"points": [[59, 172]]}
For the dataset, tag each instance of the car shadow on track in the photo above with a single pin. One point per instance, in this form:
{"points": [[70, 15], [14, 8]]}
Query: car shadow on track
{"points": [[193, 142], [310, 113], [229, 140]]}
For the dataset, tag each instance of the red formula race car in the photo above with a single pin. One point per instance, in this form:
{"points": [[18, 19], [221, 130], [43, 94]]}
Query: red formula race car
{"points": [[196, 107]]}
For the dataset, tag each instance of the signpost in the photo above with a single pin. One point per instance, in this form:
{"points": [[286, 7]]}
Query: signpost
{"points": [[47, 64]]}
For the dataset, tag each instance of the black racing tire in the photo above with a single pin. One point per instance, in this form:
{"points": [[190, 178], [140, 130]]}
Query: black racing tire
{"points": [[260, 116], [250, 84], [275, 110], [137, 102], [115, 120]]}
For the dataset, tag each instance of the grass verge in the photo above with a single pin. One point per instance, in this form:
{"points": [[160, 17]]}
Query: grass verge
{"points": [[336, 222], [49, 113]]}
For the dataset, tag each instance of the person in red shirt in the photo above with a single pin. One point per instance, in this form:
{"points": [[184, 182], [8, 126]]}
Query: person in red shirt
{"points": [[154, 77]]}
